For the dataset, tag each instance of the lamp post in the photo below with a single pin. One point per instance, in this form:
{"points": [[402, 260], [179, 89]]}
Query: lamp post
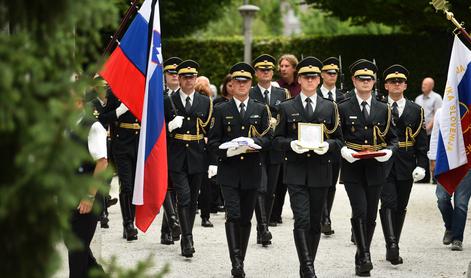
{"points": [[248, 12]]}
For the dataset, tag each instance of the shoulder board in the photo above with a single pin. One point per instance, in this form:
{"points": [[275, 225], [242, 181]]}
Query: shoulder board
{"points": [[291, 98], [344, 100]]}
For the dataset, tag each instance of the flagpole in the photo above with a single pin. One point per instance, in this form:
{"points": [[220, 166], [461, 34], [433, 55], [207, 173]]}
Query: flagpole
{"points": [[129, 13], [441, 5]]}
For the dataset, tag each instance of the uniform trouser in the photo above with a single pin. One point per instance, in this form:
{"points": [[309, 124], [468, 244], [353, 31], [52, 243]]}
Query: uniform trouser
{"points": [[81, 259], [187, 188], [331, 191], [126, 167], [307, 204], [239, 204], [165, 229], [364, 201], [280, 194], [273, 174], [395, 194], [455, 216], [205, 197]]}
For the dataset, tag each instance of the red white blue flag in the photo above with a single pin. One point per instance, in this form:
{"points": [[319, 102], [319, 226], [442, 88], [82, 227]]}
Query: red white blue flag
{"points": [[135, 74], [454, 139]]}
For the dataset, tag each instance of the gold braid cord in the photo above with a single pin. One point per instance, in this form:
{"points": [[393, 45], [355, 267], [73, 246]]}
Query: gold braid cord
{"points": [[410, 135], [287, 93], [200, 123], [253, 130], [377, 132], [337, 120]]}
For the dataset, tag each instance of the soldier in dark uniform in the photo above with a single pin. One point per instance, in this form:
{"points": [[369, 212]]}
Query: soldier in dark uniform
{"points": [[98, 105], [272, 96], [410, 160], [188, 114], [246, 121], [328, 90], [308, 172], [366, 126], [170, 230], [125, 130]]}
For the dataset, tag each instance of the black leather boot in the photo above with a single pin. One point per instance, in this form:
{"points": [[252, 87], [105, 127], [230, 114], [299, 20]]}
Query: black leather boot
{"points": [[263, 234], [104, 215], [363, 264], [166, 236], [127, 211], [326, 222], [400, 217], [235, 252], [244, 239], [171, 217], [392, 247], [302, 242], [186, 242]]}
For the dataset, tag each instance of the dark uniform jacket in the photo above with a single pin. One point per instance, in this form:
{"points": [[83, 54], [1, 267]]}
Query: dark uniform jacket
{"points": [[359, 134], [277, 95], [124, 130], [308, 168], [339, 96], [186, 148], [413, 143], [244, 170]]}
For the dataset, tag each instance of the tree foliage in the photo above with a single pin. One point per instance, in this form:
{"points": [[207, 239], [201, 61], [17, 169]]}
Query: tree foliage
{"points": [[412, 15]]}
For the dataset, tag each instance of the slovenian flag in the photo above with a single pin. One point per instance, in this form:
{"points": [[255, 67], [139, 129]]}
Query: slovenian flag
{"points": [[134, 73], [454, 139]]}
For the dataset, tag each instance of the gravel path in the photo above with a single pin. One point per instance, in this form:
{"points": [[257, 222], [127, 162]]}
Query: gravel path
{"points": [[421, 248]]}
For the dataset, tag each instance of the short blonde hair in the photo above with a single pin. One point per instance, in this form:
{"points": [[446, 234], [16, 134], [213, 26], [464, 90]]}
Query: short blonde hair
{"points": [[290, 58]]}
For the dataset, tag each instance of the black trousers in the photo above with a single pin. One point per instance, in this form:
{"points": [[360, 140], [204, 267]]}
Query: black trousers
{"points": [[280, 194], [206, 197], [81, 259], [364, 201], [273, 175], [126, 167], [307, 204], [239, 204], [395, 194], [187, 188]]}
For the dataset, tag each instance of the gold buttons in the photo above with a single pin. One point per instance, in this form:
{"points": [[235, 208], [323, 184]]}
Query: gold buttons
{"points": [[117, 135], [137, 132], [187, 145], [241, 158], [366, 141], [286, 158], [243, 127], [308, 155], [366, 127], [187, 132]]}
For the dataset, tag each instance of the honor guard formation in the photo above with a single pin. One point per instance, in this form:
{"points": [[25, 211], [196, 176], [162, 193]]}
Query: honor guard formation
{"points": [[242, 151]]}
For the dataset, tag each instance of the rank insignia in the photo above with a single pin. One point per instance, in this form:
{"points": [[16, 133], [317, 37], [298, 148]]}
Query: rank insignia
{"points": [[228, 128]]}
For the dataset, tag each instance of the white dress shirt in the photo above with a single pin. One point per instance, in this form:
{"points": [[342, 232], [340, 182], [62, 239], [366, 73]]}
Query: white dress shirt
{"points": [[325, 92], [400, 104], [183, 97], [368, 101], [238, 102], [97, 138], [313, 100], [263, 91]]}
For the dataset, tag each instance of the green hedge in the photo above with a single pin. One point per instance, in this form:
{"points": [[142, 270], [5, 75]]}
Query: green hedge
{"points": [[424, 55]]}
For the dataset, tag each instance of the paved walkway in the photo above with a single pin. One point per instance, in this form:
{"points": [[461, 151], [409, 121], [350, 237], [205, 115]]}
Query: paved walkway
{"points": [[424, 254]]}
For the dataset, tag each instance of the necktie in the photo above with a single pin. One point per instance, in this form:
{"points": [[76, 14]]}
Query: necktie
{"points": [[395, 111], [188, 105], [242, 110], [366, 115], [309, 110], [267, 98], [330, 97]]}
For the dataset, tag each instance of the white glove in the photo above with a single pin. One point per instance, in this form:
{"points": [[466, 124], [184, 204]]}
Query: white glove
{"points": [[322, 149], [347, 154], [177, 122], [212, 171], [121, 110], [297, 148], [236, 151], [386, 157], [418, 173]]}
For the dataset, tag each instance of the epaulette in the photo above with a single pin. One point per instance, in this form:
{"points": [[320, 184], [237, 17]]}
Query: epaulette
{"points": [[287, 99], [381, 98]]}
